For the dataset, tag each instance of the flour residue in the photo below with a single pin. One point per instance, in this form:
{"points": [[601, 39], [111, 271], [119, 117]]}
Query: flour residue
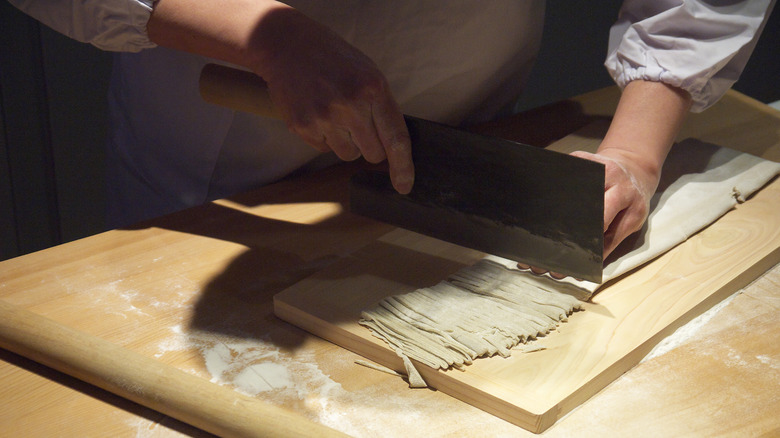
{"points": [[115, 298], [125, 293], [294, 379], [251, 367], [769, 361], [263, 377], [154, 427], [145, 428], [177, 341], [686, 332]]}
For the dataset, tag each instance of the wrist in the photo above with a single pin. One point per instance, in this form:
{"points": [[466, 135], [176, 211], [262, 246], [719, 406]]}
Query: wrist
{"points": [[282, 33], [646, 123], [633, 155]]}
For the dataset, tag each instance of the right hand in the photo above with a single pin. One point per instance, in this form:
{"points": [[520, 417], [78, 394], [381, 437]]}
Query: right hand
{"points": [[329, 93], [333, 96]]}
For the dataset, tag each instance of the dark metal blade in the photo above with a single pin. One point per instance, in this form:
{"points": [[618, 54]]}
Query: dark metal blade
{"points": [[520, 202]]}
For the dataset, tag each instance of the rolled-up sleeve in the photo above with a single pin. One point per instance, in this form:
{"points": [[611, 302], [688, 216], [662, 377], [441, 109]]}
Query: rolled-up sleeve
{"points": [[114, 25], [700, 46]]}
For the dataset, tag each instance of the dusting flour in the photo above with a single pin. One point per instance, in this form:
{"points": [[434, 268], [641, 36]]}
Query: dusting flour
{"points": [[295, 380], [251, 367], [686, 332]]}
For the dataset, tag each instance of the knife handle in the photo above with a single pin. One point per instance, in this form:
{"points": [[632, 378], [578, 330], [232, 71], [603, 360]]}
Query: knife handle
{"points": [[236, 89]]}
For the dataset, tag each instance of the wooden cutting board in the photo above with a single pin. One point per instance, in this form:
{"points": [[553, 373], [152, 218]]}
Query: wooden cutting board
{"points": [[618, 327]]}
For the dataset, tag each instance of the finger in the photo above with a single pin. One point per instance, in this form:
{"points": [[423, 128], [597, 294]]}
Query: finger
{"points": [[557, 275], [614, 202], [317, 141], [540, 271], [610, 240], [392, 132], [612, 206], [340, 142], [626, 223], [533, 269], [365, 137], [620, 219], [356, 119]]}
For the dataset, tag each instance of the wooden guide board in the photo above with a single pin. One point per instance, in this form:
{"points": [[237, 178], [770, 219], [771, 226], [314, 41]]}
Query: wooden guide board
{"points": [[618, 327]]}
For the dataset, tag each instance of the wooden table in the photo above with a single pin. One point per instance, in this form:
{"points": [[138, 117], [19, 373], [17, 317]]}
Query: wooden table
{"points": [[195, 286]]}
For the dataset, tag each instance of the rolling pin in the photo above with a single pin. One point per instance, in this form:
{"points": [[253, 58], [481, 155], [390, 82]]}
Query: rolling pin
{"points": [[166, 389], [236, 89]]}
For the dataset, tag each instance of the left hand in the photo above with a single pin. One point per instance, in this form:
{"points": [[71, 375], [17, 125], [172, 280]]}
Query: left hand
{"points": [[647, 120], [628, 187]]}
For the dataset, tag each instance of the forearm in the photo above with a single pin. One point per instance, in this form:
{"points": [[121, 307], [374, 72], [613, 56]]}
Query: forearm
{"points": [[633, 151], [230, 30], [646, 122]]}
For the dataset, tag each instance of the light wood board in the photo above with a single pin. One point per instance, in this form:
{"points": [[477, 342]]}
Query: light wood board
{"points": [[155, 290], [618, 328]]}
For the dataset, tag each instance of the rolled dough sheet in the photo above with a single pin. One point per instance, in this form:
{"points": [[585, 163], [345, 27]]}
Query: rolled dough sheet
{"points": [[492, 306]]}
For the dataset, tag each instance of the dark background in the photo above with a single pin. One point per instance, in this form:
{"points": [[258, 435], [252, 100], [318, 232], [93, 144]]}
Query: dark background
{"points": [[53, 112]]}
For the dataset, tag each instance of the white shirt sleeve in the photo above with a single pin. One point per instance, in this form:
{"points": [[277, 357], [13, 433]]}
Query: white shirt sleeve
{"points": [[114, 25], [701, 46]]}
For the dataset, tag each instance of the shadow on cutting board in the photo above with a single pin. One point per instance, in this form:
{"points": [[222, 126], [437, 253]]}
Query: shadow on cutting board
{"points": [[239, 301], [277, 254]]}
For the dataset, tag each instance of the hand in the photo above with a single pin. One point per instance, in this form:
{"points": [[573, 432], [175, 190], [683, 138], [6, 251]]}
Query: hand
{"points": [[330, 93], [334, 97], [628, 188], [648, 118]]}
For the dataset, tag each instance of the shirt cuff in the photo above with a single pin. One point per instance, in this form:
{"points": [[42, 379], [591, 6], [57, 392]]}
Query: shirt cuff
{"points": [[701, 91], [122, 26]]}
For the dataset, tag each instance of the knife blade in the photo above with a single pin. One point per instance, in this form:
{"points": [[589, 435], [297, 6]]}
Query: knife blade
{"points": [[520, 202]]}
